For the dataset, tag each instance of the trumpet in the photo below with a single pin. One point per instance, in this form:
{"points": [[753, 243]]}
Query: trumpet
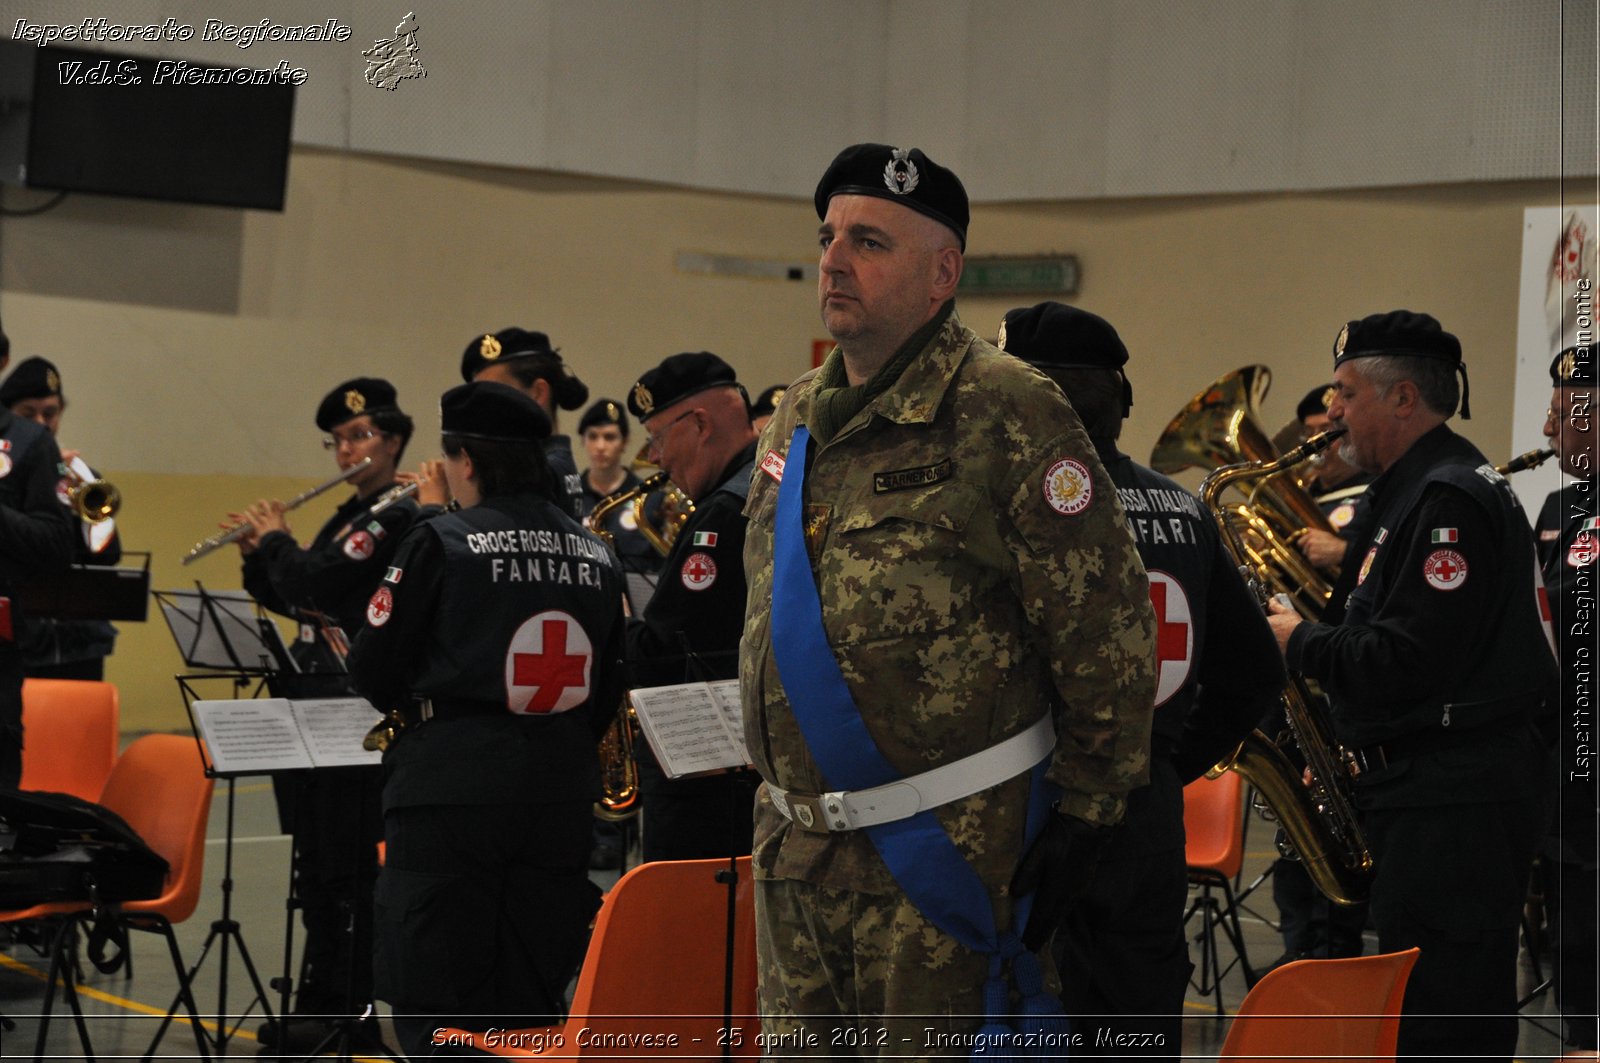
{"points": [[242, 529], [93, 501], [1522, 462]]}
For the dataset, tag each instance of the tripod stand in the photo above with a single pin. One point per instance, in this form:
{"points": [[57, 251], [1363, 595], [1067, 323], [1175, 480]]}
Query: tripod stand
{"points": [[225, 932]]}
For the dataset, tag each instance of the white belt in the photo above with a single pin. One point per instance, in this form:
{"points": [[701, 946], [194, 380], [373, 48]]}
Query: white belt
{"points": [[839, 810]]}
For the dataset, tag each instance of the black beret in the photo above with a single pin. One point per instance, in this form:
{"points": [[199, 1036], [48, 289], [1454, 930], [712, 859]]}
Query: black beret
{"points": [[502, 346], [352, 399], [1404, 334], [766, 403], [1575, 365], [909, 178], [1399, 332], [1062, 337], [678, 377], [606, 411], [1317, 400], [486, 410], [33, 378]]}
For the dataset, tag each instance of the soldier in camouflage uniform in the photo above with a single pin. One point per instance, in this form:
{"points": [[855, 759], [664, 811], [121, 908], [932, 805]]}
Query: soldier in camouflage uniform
{"points": [[975, 574]]}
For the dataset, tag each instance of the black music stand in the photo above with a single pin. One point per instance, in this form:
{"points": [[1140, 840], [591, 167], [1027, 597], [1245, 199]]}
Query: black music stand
{"points": [[225, 632]]}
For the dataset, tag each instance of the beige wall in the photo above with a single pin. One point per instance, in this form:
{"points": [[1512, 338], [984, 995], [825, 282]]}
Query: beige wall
{"points": [[195, 343]]}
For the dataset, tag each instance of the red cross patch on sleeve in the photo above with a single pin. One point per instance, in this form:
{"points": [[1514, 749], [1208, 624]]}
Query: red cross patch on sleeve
{"points": [[1445, 570]]}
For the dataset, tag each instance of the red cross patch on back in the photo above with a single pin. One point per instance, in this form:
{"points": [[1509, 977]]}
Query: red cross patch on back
{"points": [[548, 664]]}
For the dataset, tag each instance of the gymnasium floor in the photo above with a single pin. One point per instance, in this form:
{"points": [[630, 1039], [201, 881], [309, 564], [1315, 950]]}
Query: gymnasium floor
{"points": [[123, 1014]]}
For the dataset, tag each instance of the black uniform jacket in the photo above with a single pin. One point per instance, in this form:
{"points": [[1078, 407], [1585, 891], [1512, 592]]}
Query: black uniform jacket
{"points": [[1442, 648], [47, 641], [36, 534], [1568, 534], [1219, 669], [507, 618], [692, 626], [558, 452], [334, 576]]}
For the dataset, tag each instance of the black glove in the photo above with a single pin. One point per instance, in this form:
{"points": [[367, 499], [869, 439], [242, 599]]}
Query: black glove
{"points": [[1057, 869]]}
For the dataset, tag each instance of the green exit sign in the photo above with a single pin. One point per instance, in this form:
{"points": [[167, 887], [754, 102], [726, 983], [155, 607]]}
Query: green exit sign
{"points": [[1052, 275]]}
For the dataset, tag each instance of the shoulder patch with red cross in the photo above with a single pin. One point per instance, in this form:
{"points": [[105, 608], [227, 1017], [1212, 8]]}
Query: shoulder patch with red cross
{"points": [[699, 571]]}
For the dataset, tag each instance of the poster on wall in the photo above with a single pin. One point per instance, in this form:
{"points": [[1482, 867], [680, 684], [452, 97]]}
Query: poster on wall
{"points": [[1555, 310]]}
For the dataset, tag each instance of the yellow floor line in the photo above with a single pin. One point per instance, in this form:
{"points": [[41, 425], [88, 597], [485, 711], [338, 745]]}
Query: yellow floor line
{"points": [[134, 1005]]}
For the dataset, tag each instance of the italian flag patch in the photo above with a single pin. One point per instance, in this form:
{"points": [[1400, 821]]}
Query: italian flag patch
{"points": [[1445, 535], [705, 538]]}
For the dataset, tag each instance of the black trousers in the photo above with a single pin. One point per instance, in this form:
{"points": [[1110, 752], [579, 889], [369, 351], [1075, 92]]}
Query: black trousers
{"points": [[334, 817], [481, 916], [1123, 958], [10, 715], [1452, 880], [1312, 925]]}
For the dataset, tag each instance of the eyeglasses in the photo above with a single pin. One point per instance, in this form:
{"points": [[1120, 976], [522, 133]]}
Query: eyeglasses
{"points": [[354, 439], [653, 440]]}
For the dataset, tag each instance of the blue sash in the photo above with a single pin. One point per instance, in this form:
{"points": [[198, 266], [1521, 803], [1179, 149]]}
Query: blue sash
{"points": [[919, 854]]}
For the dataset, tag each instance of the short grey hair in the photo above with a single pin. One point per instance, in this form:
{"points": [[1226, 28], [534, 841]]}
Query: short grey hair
{"points": [[1435, 379]]}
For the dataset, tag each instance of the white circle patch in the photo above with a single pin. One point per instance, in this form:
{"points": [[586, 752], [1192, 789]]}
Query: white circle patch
{"points": [[380, 607], [699, 572], [5, 465], [1445, 570], [359, 546], [548, 664], [1174, 635], [1342, 514], [1068, 487]]}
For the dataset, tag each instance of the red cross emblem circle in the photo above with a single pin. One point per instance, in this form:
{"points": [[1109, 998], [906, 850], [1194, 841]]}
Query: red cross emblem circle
{"points": [[380, 607], [1445, 570], [548, 664], [699, 571], [359, 546], [1174, 634]]}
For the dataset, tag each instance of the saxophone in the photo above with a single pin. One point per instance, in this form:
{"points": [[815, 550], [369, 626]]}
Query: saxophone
{"points": [[1319, 819]]}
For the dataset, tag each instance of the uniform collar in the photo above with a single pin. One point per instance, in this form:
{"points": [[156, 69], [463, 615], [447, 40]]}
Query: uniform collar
{"points": [[916, 396]]}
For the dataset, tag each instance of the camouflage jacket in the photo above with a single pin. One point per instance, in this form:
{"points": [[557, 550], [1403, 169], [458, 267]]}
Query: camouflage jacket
{"points": [[975, 571]]}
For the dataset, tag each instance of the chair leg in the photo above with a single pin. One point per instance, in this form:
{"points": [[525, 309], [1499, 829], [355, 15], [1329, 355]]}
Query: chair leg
{"points": [[63, 968], [159, 925]]}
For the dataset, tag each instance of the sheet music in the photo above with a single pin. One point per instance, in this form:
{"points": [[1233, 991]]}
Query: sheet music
{"points": [[333, 729], [251, 735], [688, 726]]}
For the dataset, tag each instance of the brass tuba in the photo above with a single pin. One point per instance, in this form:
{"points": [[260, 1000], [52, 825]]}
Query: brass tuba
{"points": [[1221, 426], [1319, 819]]}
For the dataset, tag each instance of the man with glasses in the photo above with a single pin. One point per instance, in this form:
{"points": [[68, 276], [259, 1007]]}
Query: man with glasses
{"points": [[1438, 678], [1568, 534], [325, 586], [698, 421]]}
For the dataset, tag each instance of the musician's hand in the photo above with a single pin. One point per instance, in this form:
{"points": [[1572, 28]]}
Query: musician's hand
{"points": [[433, 489], [248, 540], [69, 456], [266, 516], [1283, 620], [1057, 869], [1322, 548]]}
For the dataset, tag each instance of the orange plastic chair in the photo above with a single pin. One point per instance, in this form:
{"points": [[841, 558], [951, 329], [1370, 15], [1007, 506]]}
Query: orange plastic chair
{"points": [[1342, 1009], [160, 788], [70, 732], [1213, 823], [653, 979]]}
